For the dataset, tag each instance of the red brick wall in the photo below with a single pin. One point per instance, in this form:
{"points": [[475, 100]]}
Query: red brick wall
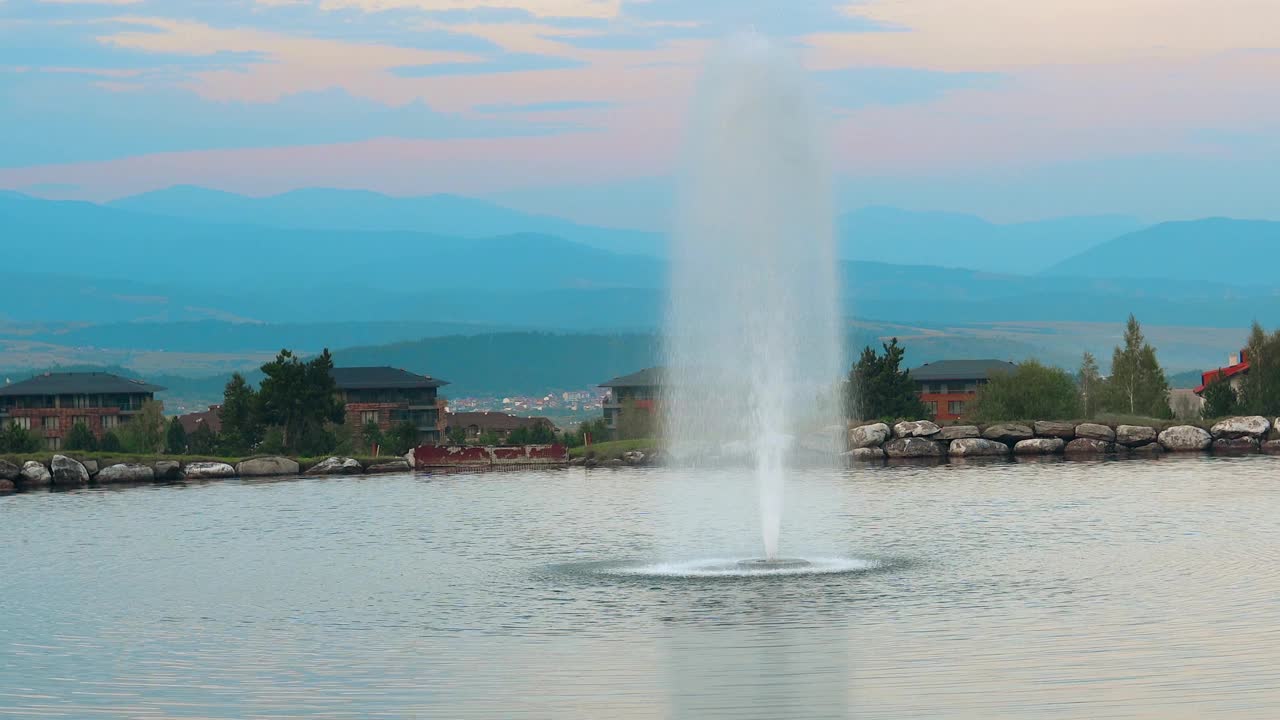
{"points": [[354, 411], [944, 399], [65, 419]]}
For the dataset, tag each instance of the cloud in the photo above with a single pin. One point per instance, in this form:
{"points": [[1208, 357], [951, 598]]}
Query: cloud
{"points": [[508, 63], [601, 9], [861, 87], [554, 106]]}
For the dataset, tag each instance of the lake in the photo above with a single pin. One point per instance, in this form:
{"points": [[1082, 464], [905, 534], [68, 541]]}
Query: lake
{"points": [[970, 590]]}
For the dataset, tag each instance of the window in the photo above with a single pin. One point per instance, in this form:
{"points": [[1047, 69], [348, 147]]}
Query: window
{"points": [[110, 422], [931, 407], [80, 401], [368, 416], [50, 422], [22, 422], [955, 407], [80, 420], [53, 443]]}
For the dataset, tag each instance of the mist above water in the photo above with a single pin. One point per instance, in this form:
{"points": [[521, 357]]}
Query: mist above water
{"points": [[752, 346]]}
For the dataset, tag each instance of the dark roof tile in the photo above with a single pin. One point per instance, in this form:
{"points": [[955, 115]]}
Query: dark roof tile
{"points": [[78, 383]]}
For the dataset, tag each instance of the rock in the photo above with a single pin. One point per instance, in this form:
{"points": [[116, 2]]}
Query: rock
{"points": [[1040, 446], [591, 462], [1135, 435], [1052, 429], [915, 428], [913, 447], [1095, 431], [1271, 447], [9, 471], [866, 454], [126, 473], [270, 466], [167, 470], [1089, 446], [958, 432], [208, 471], [337, 466], [1185, 438], [1153, 448], [34, 474], [91, 466], [398, 465], [868, 436], [633, 458], [977, 447], [1239, 427], [1236, 445], [67, 472], [1007, 432], [578, 461], [614, 463], [7, 486]]}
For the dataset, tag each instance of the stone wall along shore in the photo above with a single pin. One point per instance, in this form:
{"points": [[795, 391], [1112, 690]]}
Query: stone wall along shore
{"points": [[924, 439], [63, 471]]}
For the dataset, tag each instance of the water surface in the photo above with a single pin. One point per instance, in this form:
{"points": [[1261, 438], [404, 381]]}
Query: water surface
{"points": [[1059, 590]]}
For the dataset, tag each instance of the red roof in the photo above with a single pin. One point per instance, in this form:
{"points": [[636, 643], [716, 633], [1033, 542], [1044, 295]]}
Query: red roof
{"points": [[1226, 372]]}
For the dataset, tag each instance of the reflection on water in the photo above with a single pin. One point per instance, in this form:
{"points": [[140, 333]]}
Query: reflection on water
{"points": [[1007, 590]]}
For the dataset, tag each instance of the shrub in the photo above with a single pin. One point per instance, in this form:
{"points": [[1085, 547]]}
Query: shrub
{"points": [[1032, 392], [80, 438]]}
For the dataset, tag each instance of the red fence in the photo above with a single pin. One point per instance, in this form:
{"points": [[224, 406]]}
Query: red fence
{"points": [[430, 457]]}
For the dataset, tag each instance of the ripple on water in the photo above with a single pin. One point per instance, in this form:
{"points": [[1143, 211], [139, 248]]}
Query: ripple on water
{"points": [[728, 568]]}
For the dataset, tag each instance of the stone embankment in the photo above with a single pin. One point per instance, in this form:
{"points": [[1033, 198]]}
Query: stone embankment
{"points": [[923, 439], [64, 471]]}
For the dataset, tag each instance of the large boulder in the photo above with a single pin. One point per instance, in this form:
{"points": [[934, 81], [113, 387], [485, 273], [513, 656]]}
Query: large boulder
{"points": [[915, 428], [401, 465], [209, 471], [1185, 438], [68, 472], [867, 436], [1152, 448], [1008, 433], [1089, 446], [9, 471], [866, 454], [977, 447], [913, 447], [1040, 446], [337, 466], [7, 486], [267, 467], [1228, 446], [1271, 447], [34, 475], [126, 473], [1135, 435], [1252, 426], [90, 466], [167, 470], [1054, 429], [1095, 431], [958, 432]]}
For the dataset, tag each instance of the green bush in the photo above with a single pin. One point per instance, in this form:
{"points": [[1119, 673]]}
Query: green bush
{"points": [[1032, 392], [80, 438]]}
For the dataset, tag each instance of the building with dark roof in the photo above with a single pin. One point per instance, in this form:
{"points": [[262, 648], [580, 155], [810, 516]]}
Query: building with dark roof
{"points": [[52, 403], [389, 396], [211, 418], [637, 392], [474, 425], [947, 386]]}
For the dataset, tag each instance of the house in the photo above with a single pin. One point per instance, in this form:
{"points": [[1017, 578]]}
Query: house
{"points": [[1237, 367], [52, 403], [946, 386], [211, 418], [636, 392], [390, 396], [478, 424]]}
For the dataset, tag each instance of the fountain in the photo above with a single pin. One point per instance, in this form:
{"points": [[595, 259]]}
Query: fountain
{"points": [[752, 344]]}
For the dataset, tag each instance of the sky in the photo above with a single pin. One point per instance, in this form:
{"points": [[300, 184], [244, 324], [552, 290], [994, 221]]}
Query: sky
{"points": [[1010, 109]]}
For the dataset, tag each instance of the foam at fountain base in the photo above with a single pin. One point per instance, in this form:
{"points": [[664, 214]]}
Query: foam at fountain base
{"points": [[739, 567], [773, 563]]}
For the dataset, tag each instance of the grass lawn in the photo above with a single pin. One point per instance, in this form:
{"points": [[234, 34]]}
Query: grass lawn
{"points": [[612, 450]]}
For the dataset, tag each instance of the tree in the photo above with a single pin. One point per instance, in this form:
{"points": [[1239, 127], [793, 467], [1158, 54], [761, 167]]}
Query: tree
{"points": [[635, 422], [202, 440], [300, 398], [456, 436], [1032, 392], [144, 434], [519, 436], [110, 442], [1090, 382], [488, 439], [1137, 385], [371, 435], [879, 388], [175, 438], [1260, 388], [80, 438], [19, 440], [241, 422], [1219, 398], [402, 437]]}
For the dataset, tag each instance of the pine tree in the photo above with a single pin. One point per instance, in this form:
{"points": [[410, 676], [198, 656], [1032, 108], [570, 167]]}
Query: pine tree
{"points": [[1137, 385], [1090, 382], [80, 438], [175, 440], [1219, 398], [1260, 388], [241, 424], [879, 388]]}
